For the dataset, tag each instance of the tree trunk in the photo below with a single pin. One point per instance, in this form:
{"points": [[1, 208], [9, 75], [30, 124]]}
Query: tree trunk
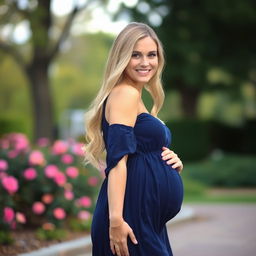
{"points": [[189, 100], [41, 98]]}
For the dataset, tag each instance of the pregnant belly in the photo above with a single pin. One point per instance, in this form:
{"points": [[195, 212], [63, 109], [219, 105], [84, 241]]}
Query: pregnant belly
{"points": [[158, 187]]}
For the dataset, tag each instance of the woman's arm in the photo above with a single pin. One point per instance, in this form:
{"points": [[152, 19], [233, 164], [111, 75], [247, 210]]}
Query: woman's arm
{"points": [[123, 109], [116, 192]]}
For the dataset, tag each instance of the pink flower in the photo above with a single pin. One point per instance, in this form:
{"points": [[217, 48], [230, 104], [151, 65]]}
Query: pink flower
{"points": [[68, 194], [59, 213], [77, 149], [47, 198], [93, 181], [38, 208], [8, 214], [67, 159], [84, 215], [59, 147], [36, 157], [72, 172], [43, 142], [3, 165], [30, 174], [20, 141], [84, 201], [12, 154], [51, 170], [60, 178], [20, 218], [10, 184]]}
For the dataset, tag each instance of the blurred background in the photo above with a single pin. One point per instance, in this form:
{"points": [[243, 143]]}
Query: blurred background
{"points": [[53, 55], [52, 58]]}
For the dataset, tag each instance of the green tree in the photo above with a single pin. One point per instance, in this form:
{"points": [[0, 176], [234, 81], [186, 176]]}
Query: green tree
{"points": [[36, 58], [209, 45]]}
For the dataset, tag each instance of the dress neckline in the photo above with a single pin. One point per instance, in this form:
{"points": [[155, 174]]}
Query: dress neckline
{"points": [[138, 116]]}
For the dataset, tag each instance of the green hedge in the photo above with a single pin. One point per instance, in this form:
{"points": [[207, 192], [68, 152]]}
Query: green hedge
{"points": [[190, 138], [8, 124], [194, 140], [239, 140], [13, 124], [224, 171], [192, 187]]}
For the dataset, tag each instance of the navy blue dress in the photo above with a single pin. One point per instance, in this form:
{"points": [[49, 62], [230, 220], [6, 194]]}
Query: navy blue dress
{"points": [[154, 190]]}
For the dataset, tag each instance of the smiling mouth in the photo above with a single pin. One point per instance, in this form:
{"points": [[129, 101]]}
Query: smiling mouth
{"points": [[143, 71]]}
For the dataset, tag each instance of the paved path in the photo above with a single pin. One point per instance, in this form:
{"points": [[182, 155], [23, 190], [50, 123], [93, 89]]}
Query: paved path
{"points": [[216, 230], [219, 230]]}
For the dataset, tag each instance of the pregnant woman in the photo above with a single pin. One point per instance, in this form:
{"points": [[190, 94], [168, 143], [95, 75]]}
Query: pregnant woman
{"points": [[143, 188]]}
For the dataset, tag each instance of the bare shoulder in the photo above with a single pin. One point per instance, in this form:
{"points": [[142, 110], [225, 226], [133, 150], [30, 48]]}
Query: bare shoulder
{"points": [[123, 105], [125, 91]]}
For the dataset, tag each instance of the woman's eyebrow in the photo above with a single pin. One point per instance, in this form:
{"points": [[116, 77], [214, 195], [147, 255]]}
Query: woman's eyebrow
{"points": [[153, 52], [150, 52]]}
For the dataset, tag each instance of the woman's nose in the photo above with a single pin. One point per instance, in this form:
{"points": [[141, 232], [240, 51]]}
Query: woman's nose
{"points": [[144, 61]]}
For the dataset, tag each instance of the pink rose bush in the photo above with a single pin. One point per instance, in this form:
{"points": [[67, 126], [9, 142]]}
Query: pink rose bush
{"points": [[30, 174], [8, 214], [44, 185], [10, 184]]}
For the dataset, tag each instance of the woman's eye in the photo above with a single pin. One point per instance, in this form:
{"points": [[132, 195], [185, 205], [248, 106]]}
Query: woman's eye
{"points": [[152, 55], [135, 55]]}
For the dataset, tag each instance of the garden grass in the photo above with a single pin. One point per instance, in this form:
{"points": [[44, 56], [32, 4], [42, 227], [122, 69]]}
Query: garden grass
{"points": [[222, 197]]}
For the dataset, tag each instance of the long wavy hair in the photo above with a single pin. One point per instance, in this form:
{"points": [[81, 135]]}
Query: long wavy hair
{"points": [[118, 59]]}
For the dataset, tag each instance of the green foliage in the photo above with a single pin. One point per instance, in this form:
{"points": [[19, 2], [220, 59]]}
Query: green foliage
{"points": [[240, 140], [202, 36], [207, 198], [11, 124], [80, 225], [194, 140], [14, 98], [75, 78], [44, 185], [192, 187], [209, 45], [191, 138], [224, 170], [78, 74], [55, 234], [6, 238]]}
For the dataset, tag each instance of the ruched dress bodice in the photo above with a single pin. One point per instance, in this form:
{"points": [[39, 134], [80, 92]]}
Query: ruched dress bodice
{"points": [[154, 190]]}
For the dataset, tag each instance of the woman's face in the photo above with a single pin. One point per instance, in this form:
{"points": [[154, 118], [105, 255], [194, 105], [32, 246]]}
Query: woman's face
{"points": [[143, 63]]}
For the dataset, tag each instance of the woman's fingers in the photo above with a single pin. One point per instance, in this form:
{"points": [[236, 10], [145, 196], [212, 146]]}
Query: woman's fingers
{"points": [[112, 247], [118, 239], [125, 249], [172, 159], [176, 165], [117, 249], [132, 236], [166, 152], [180, 168]]}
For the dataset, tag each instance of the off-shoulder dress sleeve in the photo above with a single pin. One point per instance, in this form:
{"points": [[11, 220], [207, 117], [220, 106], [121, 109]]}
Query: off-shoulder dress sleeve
{"points": [[121, 141]]}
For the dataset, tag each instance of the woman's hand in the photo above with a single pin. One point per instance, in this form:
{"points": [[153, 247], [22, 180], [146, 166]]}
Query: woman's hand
{"points": [[118, 238], [172, 159]]}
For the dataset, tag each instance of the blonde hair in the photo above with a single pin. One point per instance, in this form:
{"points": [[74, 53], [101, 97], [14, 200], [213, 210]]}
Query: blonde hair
{"points": [[118, 59]]}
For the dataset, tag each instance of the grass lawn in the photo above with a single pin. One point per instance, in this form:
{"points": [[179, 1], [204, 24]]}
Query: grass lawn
{"points": [[223, 196]]}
